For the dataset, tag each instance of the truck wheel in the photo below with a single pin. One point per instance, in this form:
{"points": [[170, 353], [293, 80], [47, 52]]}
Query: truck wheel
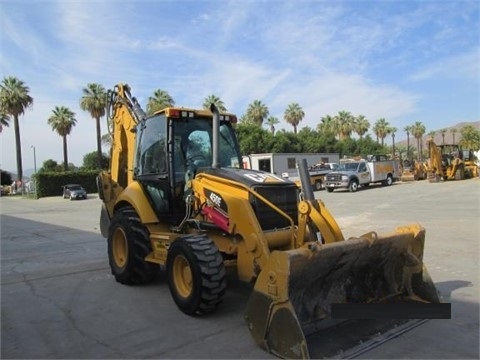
{"points": [[196, 274], [318, 185], [128, 245], [389, 180], [353, 186], [329, 189]]}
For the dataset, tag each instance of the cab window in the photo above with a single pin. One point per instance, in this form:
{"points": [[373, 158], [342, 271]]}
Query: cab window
{"points": [[151, 155]]}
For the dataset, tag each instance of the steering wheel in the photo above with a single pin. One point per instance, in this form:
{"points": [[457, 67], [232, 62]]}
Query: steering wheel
{"points": [[199, 156]]}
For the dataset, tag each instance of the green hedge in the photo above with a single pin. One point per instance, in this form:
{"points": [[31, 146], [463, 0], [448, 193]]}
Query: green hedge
{"points": [[51, 183]]}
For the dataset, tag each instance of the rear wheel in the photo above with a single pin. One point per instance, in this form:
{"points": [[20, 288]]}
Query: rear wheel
{"points": [[196, 274], [353, 186], [318, 185], [389, 180], [128, 245]]}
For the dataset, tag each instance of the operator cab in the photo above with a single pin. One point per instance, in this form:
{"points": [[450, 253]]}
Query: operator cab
{"points": [[172, 146]]}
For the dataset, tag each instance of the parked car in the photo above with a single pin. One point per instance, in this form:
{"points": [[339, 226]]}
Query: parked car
{"points": [[74, 192]]}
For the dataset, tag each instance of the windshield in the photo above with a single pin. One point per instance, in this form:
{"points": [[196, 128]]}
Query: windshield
{"points": [[76, 187], [194, 143], [352, 166]]}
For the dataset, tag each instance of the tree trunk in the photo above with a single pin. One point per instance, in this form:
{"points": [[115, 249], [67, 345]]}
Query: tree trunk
{"points": [[65, 156], [408, 147], [421, 149], [18, 149], [393, 145], [99, 144]]}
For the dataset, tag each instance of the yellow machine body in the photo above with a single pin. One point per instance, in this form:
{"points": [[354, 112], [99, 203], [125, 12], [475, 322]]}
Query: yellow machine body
{"points": [[449, 162], [413, 170], [284, 241]]}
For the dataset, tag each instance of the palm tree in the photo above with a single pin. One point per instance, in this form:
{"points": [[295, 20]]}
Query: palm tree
{"points": [[257, 112], [160, 100], [432, 134], [408, 130], [272, 121], [62, 121], [344, 124], [381, 129], [213, 99], [418, 129], [293, 115], [443, 132], [14, 99], [361, 125], [107, 140], [392, 131], [453, 131], [4, 121], [470, 138], [326, 124], [94, 101]]}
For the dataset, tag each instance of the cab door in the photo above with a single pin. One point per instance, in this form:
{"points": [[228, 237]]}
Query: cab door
{"points": [[150, 168], [364, 175]]}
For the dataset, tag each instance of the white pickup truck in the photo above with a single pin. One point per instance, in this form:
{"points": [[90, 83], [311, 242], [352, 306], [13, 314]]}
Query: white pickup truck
{"points": [[354, 173]]}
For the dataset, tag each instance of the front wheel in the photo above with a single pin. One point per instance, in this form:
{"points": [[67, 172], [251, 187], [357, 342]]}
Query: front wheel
{"points": [[196, 274], [329, 189], [353, 187], [318, 185], [128, 245]]}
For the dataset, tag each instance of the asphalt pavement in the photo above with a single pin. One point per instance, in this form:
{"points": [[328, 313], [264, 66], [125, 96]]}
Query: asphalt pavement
{"points": [[59, 299]]}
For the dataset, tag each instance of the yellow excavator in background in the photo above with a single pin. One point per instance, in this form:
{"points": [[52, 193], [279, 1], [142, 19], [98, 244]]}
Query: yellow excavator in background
{"points": [[413, 170], [449, 162], [176, 198]]}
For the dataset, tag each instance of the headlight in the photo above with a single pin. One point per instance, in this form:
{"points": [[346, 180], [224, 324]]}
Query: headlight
{"points": [[344, 177]]}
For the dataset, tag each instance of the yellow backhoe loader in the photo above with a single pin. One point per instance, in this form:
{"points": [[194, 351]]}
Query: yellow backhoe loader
{"points": [[176, 197], [450, 162]]}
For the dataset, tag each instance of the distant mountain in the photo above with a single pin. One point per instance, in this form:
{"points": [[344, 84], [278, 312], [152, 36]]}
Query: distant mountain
{"points": [[438, 139]]}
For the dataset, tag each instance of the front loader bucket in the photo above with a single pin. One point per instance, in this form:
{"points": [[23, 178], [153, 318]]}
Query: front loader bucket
{"points": [[294, 292]]}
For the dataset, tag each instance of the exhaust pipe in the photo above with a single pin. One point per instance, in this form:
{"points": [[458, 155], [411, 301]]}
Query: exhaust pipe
{"points": [[216, 127]]}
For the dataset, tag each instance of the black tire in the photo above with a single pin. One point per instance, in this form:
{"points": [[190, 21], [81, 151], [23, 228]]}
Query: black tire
{"points": [[318, 185], [388, 181], [353, 186], [329, 189], [128, 245], [196, 274]]}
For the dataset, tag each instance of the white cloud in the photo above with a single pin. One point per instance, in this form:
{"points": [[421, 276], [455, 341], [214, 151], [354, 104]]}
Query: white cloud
{"points": [[464, 66]]}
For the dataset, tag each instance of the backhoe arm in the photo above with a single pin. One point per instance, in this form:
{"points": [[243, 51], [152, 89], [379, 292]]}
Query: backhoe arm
{"points": [[313, 215], [124, 113]]}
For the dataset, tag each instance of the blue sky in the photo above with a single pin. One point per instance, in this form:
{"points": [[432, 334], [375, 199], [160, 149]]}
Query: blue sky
{"points": [[405, 61]]}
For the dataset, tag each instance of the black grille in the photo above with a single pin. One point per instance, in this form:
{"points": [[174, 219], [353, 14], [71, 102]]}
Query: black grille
{"points": [[284, 197], [334, 177]]}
